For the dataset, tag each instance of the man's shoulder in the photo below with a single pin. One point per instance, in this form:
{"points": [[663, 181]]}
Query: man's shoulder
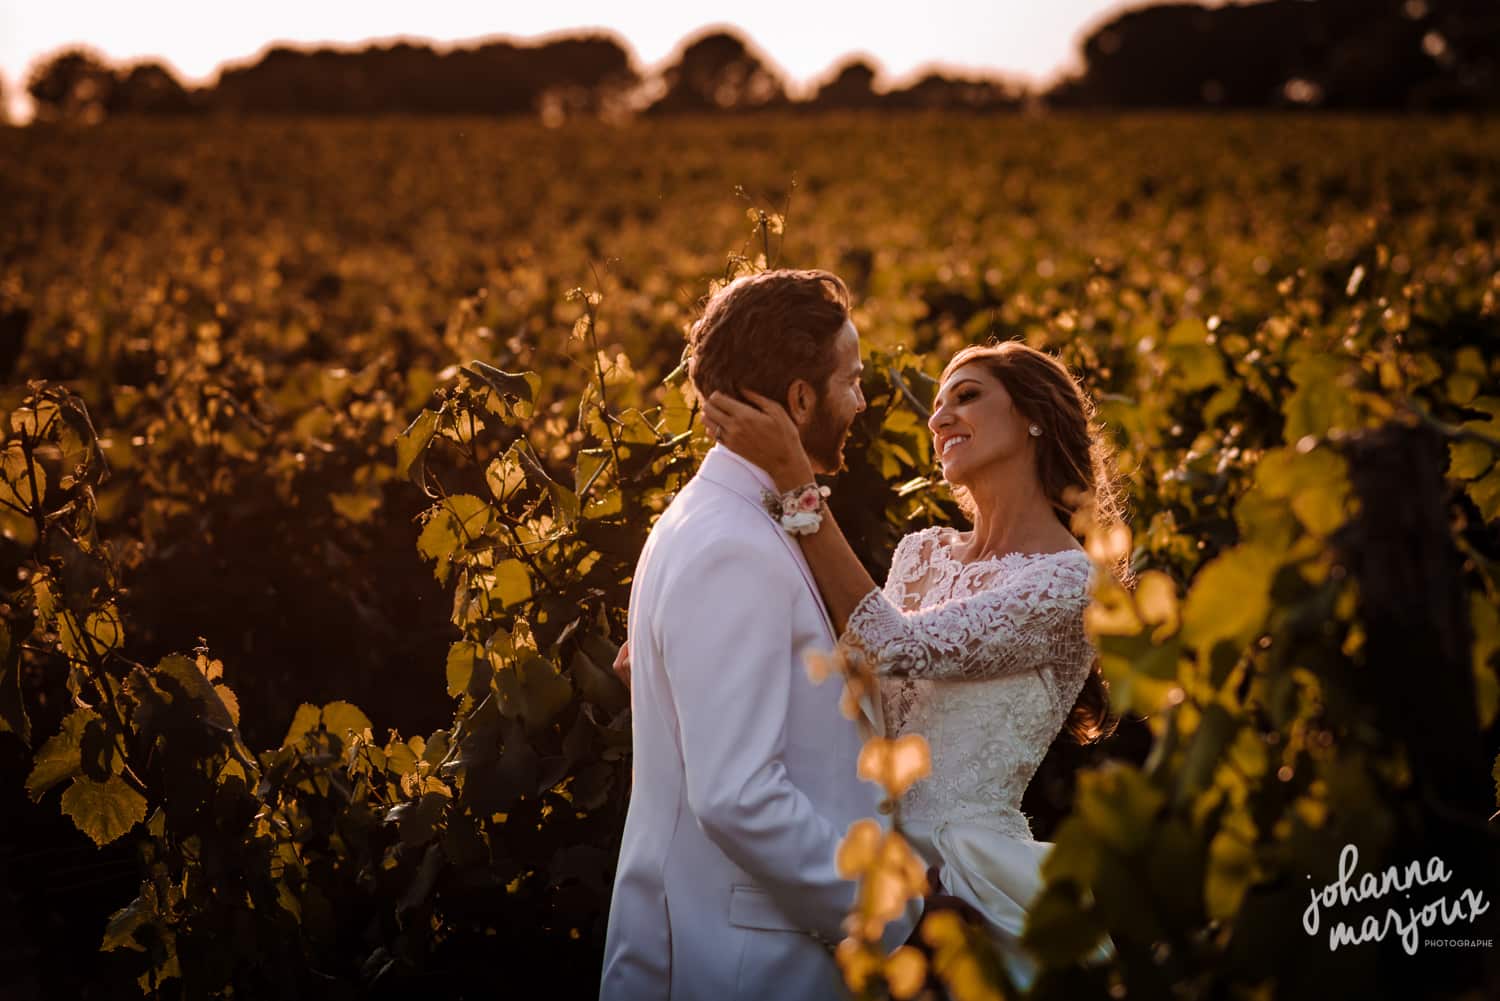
{"points": [[707, 517]]}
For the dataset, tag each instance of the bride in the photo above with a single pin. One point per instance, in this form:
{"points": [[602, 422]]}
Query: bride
{"points": [[977, 637]]}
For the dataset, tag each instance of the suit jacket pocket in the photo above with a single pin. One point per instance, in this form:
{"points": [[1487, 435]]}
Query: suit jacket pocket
{"points": [[753, 907]]}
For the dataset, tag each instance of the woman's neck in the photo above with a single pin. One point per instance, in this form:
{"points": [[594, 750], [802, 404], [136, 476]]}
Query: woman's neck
{"points": [[1013, 515]]}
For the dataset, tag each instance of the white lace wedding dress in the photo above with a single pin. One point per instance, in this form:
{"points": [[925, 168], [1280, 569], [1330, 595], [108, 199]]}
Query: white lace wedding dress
{"points": [[985, 660]]}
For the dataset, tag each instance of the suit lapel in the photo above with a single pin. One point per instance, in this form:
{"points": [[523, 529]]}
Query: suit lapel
{"points": [[739, 476]]}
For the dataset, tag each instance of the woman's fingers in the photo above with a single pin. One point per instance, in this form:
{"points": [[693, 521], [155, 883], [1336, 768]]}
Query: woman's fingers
{"points": [[717, 424], [771, 408], [729, 404], [727, 414], [622, 664], [758, 402], [764, 403]]}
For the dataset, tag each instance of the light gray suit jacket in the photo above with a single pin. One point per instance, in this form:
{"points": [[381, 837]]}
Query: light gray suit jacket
{"points": [[745, 771]]}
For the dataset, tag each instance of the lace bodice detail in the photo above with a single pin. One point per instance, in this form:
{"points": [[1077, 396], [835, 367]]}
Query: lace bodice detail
{"points": [[984, 659]]}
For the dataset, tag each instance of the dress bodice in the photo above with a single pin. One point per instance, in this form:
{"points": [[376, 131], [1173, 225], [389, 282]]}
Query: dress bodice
{"points": [[984, 659]]}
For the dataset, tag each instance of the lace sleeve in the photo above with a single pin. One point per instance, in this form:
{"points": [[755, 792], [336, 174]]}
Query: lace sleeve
{"points": [[1033, 618], [908, 565]]}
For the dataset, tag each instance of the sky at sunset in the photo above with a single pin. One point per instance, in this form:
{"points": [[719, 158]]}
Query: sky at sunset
{"points": [[1032, 40]]}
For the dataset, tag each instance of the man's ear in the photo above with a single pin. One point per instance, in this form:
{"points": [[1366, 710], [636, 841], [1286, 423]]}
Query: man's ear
{"points": [[800, 400]]}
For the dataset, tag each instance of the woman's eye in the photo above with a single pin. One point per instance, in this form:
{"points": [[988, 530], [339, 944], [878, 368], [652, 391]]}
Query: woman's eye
{"points": [[966, 396]]}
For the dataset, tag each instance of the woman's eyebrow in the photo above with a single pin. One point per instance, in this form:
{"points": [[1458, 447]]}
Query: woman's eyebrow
{"points": [[955, 386]]}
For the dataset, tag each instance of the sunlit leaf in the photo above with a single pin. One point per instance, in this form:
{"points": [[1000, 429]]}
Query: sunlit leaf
{"points": [[1320, 402], [358, 508], [178, 674], [22, 483], [1469, 460], [103, 810], [504, 475], [521, 388], [341, 718], [1485, 493], [1315, 483], [458, 521], [468, 669], [61, 757], [1230, 597], [303, 722], [512, 583], [412, 443], [1196, 362], [858, 848], [1156, 600], [905, 972], [1231, 868], [895, 764]]}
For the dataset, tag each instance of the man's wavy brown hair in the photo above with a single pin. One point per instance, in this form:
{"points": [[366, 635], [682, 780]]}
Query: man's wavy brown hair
{"points": [[764, 330], [1075, 466]]}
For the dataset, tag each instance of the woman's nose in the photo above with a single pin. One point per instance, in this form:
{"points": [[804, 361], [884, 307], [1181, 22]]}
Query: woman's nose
{"points": [[938, 419]]}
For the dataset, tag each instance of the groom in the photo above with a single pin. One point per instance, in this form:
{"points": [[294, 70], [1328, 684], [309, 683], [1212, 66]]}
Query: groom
{"points": [[745, 771]]}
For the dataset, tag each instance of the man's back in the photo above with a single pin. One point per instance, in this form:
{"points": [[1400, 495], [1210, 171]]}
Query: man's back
{"points": [[745, 772]]}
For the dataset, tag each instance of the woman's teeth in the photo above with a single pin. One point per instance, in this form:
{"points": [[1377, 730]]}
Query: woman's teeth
{"points": [[957, 439]]}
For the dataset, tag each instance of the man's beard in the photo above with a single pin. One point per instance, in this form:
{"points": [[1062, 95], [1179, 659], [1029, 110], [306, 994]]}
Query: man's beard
{"points": [[823, 438]]}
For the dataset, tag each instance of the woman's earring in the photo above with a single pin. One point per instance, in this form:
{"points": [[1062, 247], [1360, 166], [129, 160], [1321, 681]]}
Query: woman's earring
{"points": [[1036, 431]]}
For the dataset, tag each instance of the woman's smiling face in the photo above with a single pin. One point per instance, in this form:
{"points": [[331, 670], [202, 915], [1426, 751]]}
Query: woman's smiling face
{"points": [[974, 423]]}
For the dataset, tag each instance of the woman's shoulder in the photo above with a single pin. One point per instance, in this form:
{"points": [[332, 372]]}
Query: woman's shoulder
{"points": [[920, 540], [1066, 574], [913, 552]]}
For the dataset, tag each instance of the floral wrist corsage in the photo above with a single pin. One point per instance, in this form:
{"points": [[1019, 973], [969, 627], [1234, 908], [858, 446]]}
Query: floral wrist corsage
{"points": [[798, 511]]}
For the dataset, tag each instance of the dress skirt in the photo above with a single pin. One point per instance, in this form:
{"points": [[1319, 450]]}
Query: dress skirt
{"points": [[996, 873]]}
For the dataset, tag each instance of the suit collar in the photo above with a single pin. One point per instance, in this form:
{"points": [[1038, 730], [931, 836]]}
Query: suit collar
{"points": [[738, 474], [732, 470]]}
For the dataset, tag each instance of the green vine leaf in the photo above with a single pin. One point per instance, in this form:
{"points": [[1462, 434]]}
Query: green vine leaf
{"points": [[103, 810], [61, 757], [342, 718], [1230, 597], [411, 449]]}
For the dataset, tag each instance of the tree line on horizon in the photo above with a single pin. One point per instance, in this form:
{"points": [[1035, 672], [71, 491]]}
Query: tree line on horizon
{"points": [[1430, 55]]}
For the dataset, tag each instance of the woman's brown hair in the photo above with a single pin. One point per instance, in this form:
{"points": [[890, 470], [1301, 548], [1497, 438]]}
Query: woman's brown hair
{"points": [[1075, 467]]}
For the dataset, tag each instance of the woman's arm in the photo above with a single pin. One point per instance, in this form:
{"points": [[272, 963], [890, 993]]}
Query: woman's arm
{"points": [[1030, 620], [1034, 617], [841, 577], [766, 435]]}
